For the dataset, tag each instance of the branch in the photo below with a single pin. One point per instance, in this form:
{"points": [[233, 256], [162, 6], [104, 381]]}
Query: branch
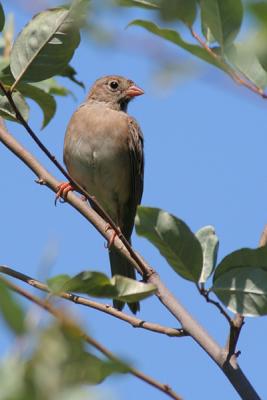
{"points": [[65, 321], [106, 308], [235, 329], [205, 293], [229, 367], [237, 77]]}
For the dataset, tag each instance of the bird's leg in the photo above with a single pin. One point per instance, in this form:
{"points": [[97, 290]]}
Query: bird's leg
{"points": [[62, 191]]}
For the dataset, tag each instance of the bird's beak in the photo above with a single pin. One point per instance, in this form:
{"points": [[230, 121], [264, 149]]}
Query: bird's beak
{"points": [[133, 91]]}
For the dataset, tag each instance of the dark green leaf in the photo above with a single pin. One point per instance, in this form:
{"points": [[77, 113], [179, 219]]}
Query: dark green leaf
{"points": [[174, 37], [43, 99], [259, 10], [11, 310], [69, 72], [223, 18], [2, 18], [6, 110], [56, 284], [184, 10], [243, 58], [210, 244], [46, 44], [92, 283], [173, 239], [130, 290], [151, 5], [51, 86], [243, 289]]}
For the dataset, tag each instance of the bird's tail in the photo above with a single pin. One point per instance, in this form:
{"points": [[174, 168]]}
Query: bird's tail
{"points": [[120, 266]]}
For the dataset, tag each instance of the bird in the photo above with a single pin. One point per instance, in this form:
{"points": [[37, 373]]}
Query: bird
{"points": [[104, 153]]}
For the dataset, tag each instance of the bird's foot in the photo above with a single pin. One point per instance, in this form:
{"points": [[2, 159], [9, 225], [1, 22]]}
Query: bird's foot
{"points": [[114, 234], [62, 190]]}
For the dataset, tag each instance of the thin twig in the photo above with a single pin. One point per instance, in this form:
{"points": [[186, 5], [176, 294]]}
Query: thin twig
{"points": [[65, 321], [238, 78], [106, 308], [205, 293]]}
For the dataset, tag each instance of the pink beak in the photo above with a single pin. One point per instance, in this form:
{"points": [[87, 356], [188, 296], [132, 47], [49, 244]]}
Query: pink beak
{"points": [[134, 91]]}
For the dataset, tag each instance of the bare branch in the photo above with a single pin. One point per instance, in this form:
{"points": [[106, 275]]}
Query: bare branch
{"points": [[66, 321], [106, 308], [205, 293]]}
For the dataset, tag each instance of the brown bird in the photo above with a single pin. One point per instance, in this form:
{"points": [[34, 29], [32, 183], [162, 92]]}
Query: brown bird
{"points": [[103, 152]]}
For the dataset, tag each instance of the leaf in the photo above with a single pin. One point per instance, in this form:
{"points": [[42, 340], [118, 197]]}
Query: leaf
{"points": [[172, 237], [61, 358], [46, 102], [130, 290], [69, 72], [243, 290], [174, 37], [51, 86], [99, 285], [46, 44], [11, 310], [242, 57], [240, 281], [2, 18], [92, 283], [184, 10], [259, 10], [223, 18], [210, 244], [6, 110], [151, 5], [57, 283], [242, 258]]}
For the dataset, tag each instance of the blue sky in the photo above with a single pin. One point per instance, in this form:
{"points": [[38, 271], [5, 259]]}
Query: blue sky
{"points": [[205, 152]]}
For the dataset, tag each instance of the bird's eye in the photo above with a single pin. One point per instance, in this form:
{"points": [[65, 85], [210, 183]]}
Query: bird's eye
{"points": [[114, 85]]}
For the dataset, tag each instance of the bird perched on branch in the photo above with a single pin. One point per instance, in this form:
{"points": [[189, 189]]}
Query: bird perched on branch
{"points": [[103, 152]]}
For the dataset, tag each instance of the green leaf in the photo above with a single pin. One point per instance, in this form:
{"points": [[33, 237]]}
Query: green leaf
{"points": [[57, 283], [151, 5], [99, 285], [259, 10], [61, 360], [242, 258], [46, 44], [51, 86], [130, 290], [172, 237], [184, 10], [223, 18], [11, 310], [240, 281], [70, 73], [210, 244], [243, 290], [174, 37], [6, 110], [46, 102], [2, 18], [92, 283], [242, 57]]}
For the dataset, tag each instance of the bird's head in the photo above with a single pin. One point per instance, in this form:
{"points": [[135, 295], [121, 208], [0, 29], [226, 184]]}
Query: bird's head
{"points": [[114, 90]]}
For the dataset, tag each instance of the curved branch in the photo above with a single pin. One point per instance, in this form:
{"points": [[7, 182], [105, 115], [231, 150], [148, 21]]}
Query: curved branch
{"points": [[65, 321], [218, 354], [106, 308]]}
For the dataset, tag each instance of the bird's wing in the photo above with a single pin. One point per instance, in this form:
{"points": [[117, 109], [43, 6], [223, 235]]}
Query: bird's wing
{"points": [[135, 146]]}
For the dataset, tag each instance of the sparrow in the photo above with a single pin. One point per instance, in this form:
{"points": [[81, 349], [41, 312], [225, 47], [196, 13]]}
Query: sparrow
{"points": [[103, 152]]}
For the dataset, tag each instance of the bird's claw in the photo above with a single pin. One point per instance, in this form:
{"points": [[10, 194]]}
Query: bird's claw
{"points": [[62, 190], [110, 241]]}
